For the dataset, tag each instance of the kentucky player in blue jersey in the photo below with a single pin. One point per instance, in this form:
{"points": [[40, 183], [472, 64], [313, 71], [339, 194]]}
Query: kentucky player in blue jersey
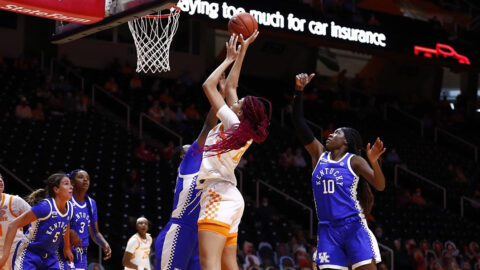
{"points": [[85, 221], [344, 238], [176, 247], [50, 222]]}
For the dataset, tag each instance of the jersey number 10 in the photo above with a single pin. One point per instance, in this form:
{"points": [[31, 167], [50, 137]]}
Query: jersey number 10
{"points": [[328, 186]]}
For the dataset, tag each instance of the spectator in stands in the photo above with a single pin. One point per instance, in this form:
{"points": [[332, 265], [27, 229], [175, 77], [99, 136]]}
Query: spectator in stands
{"points": [[393, 157], [419, 260], [329, 130], [126, 69], [404, 197], [267, 212], [451, 248], [168, 150], [251, 260], [168, 115], [286, 158], [165, 98], [23, 110], [417, 197], [156, 111], [298, 159], [438, 250], [37, 113], [379, 233], [460, 175], [135, 82], [143, 153], [301, 257], [111, 86], [402, 260], [191, 113], [179, 114]]}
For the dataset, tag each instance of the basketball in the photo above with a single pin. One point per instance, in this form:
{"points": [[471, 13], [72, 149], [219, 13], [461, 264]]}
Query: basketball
{"points": [[242, 23]]}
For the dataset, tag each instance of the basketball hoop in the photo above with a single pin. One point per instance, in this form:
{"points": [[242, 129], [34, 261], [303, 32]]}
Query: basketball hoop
{"points": [[153, 35]]}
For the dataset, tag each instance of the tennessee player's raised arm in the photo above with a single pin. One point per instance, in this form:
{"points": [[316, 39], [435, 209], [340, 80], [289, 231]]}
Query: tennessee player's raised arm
{"points": [[304, 133], [232, 79], [21, 221], [210, 85]]}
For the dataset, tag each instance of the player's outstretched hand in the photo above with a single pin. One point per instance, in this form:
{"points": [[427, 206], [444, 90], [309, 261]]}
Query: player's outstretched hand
{"points": [[232, 49], [302, 79], [107, 251], [374, 152], [246, 42]]}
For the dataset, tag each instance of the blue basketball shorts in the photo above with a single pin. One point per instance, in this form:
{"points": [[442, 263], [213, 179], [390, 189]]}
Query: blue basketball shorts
{"points": [[24, 258], [345, 243], [176, 247], [79, 260]]}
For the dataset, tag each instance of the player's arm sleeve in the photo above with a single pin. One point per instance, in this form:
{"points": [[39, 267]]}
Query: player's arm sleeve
{"points": [[132, 245], [41, 209], [304, 133], [227, 116], [192, 160], [19, 206]]}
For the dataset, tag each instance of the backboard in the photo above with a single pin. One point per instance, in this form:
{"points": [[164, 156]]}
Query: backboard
{"points": [[120, 11]]}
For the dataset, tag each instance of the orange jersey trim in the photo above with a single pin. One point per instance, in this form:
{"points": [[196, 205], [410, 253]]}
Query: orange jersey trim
{"points": [[3, 199], [10, 206], [231, 239], [214, 226]]}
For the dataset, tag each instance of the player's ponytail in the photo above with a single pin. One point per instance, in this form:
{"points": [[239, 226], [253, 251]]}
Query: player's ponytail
{"points": [[257, 113], [43, 193], [36, 196], [364, 192]]}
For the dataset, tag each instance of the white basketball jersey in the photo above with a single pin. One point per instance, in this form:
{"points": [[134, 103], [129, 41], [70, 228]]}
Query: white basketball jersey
{"points": [[10, 208], [221, 166], [140, 248]]}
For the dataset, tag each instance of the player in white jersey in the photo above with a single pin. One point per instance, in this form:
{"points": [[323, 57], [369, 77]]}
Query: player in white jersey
{"points": [[242, 122], [137, 253], [11, 206]]}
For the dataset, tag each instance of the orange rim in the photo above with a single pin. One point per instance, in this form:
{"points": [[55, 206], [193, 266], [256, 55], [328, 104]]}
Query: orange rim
{"points": [[175, 12]]}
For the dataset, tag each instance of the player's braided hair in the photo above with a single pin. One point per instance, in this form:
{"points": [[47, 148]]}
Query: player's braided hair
{"points": [[42, 193], [355, 146], [257, 113]]}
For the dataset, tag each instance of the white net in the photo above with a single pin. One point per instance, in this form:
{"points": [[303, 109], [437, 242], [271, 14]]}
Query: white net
{"points": [[153, 35]]}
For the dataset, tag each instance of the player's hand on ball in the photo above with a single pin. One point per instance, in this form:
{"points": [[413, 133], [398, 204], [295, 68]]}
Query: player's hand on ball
{"points": [[374, 152], [246, 42], [232, 49], [302, 79]]}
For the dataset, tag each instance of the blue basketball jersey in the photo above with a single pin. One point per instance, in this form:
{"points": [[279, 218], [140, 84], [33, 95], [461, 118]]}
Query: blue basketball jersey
{"points": [[82, 219], [335, 188], [46, 233], [186, 198], [176, 247]]}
